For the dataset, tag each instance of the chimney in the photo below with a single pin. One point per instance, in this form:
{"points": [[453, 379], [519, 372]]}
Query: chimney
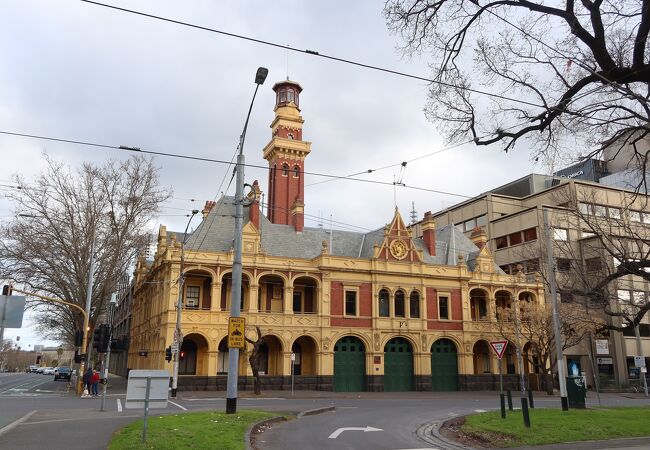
{"points": [[209, 204], [479, 237], [429, 233], [254, 208], [298, 215]]}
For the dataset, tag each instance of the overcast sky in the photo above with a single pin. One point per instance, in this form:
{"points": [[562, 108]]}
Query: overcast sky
{"points": [[78, 71]]}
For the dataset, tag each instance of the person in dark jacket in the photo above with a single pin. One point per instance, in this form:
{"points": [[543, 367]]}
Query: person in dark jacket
{"points": [[88, 379]]}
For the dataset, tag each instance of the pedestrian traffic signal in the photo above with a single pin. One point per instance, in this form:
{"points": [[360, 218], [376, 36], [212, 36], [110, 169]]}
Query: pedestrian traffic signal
{"points": [[182, 355], [168, 353]]}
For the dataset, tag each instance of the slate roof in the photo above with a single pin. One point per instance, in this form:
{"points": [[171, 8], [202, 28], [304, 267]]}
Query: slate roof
{"points": [[216, 231]]}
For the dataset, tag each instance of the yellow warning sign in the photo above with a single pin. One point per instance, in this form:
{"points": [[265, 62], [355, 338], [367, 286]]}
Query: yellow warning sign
{"points": [[236, 329]]}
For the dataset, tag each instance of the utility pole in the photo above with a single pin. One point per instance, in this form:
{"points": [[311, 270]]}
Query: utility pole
{"points": [[107, 355], [178, 335], [89, 297], [556, 318], [639, 351], [235, 299]]}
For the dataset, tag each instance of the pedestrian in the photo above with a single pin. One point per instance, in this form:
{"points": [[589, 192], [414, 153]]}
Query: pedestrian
{"points": [[95, 381], [88, 380]]}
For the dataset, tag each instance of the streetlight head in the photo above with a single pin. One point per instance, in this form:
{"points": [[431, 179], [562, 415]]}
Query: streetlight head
{"points": [[195, 211], [261, 74]]}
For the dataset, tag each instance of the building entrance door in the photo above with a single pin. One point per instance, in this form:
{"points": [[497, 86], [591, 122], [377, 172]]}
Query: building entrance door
{"points": [[444, 366], [349, 365], [398, 366]]}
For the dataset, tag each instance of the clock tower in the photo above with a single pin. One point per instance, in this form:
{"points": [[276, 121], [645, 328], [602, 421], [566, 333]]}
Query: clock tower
{"points": [[286, 153]]}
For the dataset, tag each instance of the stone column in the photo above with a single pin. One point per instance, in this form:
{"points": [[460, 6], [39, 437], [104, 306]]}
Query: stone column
{"points": [[288, 300], [253, 298], [216, 296]]}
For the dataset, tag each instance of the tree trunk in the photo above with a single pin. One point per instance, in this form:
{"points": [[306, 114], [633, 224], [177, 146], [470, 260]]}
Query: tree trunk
{"points": [[254, 360]]}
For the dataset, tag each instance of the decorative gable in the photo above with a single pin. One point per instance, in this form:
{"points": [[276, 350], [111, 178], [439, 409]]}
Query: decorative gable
{"points": [[251, 242], [397, 244]]}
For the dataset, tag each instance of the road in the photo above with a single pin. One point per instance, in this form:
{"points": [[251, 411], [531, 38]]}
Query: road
{"points": [[61, 420]]}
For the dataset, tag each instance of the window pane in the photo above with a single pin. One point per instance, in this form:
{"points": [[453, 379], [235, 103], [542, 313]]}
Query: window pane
{"points": [[638, 297], [559, 234], [444, 307], [600, 210], [587, 234], [502, 242], [614, 213], [563, 265], [399, 304], [593, 264], [530, 234], [384, 310], [583, 208], [515, 238], [532, 265], [350, 303], [192, 296], [414, 305], [635, 216], [481, 220]]}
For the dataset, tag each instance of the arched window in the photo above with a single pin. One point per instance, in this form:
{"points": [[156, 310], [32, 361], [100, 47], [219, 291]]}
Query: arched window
{"points": [[414, 305], [384, 310], [285, 170], [296, 171], [399, 304]]}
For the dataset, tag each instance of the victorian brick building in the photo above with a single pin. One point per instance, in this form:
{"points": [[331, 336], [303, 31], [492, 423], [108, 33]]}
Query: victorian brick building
{"points": [[382, 310]]}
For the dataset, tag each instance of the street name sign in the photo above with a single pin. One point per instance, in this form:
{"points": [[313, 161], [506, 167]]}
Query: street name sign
{"points": [[236, 330], [499, 347], [138, 393]]}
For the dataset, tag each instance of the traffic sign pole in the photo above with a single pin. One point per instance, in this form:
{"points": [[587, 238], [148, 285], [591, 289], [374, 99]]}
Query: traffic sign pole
{"points": [[499, 348]]}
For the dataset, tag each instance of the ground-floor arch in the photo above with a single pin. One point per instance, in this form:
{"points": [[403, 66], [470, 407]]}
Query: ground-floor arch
{"points": [[398, 366], [193, 355], [349, 365], [444, 366]]}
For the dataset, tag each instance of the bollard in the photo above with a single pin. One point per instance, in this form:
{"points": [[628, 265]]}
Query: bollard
{"points": [[503, 405], [509, 399], [524, 411], [530, 399]]}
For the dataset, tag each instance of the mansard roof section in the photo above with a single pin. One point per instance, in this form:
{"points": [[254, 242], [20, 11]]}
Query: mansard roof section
{"points": [[216, 234]]}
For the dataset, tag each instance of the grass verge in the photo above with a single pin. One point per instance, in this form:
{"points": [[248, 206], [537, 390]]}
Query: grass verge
{"points": [[204, 430], [550, 426]]}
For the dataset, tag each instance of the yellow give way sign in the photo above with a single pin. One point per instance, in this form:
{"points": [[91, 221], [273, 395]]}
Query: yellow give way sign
{"points": [[236, 329]]}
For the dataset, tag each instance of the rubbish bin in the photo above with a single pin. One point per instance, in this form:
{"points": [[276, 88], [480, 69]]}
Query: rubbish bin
{"points": [[576, 392]]}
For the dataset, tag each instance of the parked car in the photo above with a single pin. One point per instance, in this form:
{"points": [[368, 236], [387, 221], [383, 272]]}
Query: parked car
{"points": [[48, 371], [62, 373], [32, 369], [39, 369]]}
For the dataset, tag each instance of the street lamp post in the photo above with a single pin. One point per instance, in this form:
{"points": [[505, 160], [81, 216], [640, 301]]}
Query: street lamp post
{"points": [[178, 337], [107, 355], [233, 353]]}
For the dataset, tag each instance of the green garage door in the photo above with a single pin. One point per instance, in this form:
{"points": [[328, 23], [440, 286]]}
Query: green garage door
{"points": [[349, 365], [444, 366], [398, 366]]}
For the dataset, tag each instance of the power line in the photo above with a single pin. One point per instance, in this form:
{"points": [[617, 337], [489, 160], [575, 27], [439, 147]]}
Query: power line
{"points": [[311, 52]]}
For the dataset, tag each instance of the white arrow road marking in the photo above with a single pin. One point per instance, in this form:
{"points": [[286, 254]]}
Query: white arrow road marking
{"points": [[119, 405], [176, 404], [341, 430]]}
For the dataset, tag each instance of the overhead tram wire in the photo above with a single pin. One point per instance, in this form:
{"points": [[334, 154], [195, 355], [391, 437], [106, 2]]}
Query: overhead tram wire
{"points": [[217, 161], [310, 52]]}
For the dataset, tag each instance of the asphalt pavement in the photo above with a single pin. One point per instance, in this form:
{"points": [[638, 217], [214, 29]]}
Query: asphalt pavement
{"points": [[42, 414]]}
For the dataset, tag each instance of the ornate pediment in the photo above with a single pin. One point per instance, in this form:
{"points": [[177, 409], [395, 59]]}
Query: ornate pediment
{"points": [[397, 244]]}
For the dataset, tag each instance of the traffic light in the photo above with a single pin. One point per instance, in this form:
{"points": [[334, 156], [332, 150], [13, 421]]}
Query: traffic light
{"points": [[168, 354], [182, 355], [101, 338], [6, 290], [78, 338]]}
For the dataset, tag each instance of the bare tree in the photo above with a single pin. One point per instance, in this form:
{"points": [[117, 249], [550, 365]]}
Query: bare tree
{"points": [[561, 73], [255, 357], [47, 247], [535, 325]]}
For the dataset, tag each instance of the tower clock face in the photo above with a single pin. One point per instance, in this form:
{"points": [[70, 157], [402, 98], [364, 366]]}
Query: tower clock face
{"points": [[398, 249]]}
